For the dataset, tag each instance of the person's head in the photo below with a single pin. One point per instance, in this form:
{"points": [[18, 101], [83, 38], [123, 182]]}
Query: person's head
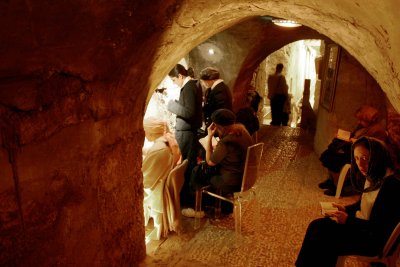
{"points": [[366, 115], [178, 74], [154, 128], [223, 118], [208, 76], [371, 159], [279, 67]]}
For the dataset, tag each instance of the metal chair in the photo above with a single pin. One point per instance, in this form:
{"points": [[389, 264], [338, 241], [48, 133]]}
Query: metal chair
{"points": [[342, 177], [389, 255], [250, 175]]}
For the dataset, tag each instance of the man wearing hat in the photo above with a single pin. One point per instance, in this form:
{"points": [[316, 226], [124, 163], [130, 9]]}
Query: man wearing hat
{"points": [[230, 152], [218, 94], [229, 156]]}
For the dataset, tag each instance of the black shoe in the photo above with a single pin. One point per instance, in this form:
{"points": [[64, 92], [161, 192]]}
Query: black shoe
{"points": [[327, 184], [330, 192]]}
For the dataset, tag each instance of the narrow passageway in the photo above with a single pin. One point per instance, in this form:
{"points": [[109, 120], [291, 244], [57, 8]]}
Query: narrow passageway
{"points": [[289, 199]]}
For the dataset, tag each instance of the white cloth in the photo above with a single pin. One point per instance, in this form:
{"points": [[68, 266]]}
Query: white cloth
{"points": [[367, 202]]}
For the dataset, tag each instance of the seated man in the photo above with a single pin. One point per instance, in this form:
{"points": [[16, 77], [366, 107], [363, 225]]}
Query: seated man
{"points": [[229, 155], [158, 161]]}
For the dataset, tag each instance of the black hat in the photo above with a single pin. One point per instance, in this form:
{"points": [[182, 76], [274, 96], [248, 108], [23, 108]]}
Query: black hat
{"points": [[223, 117], [209, 73]]}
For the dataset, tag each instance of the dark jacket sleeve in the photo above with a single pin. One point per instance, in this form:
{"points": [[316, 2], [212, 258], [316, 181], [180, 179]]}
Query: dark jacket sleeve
{"points": [[385, 213], [188, 107]]}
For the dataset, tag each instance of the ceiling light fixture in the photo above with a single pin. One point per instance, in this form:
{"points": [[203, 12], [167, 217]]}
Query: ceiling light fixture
{"points": [[286, 23]]}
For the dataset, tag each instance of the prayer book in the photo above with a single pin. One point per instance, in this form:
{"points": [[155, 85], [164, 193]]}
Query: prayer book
{"points": [[203, 141], [343, 135], [327, 207]]}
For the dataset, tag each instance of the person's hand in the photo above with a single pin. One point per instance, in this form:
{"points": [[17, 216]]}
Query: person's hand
{"points": [[211, 130], [339, 216], [339, 206]]}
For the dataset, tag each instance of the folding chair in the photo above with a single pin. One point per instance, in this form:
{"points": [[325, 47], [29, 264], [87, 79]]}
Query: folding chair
{"points": [[389, 255], [342, 177], [250, 175]]}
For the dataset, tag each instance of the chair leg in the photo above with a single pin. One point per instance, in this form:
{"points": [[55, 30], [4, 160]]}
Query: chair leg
{"points": [[237, 213], [217, 206], [199, 195]]}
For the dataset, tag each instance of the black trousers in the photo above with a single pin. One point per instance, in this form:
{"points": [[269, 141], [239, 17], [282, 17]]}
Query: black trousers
{"points": [[326, 240], [189, 146], [278, 116]]}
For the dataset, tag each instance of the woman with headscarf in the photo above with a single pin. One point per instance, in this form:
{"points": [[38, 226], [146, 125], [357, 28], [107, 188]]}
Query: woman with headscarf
{"points": [[158, 162], [164, 149], [339, 151], [364, 227]]}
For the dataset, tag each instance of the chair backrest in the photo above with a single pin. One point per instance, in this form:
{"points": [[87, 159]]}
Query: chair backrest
{"points": [[392, 245], [178, 172], [252, 164]]}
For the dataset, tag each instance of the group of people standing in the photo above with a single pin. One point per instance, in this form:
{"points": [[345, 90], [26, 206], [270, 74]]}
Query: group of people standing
{"points": [[210, 114]]}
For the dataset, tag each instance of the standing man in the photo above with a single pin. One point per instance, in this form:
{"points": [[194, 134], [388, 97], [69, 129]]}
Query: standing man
{"points": [[278, 95], [217, 96], [187, 110], [188, 120]]}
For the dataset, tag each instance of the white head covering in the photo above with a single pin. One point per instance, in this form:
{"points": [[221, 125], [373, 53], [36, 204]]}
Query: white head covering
{"points": [[154, 127]]}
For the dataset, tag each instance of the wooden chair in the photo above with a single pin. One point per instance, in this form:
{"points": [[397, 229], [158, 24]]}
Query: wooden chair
{"points": [[250, 176], [389, 255]]}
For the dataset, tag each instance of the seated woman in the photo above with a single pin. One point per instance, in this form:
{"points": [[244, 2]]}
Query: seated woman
{"points": [[158, 161], [339, 151], [229, 155], [248, 114], [364, 227]]}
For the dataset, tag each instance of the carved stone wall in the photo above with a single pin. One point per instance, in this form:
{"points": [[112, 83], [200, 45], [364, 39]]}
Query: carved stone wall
{"points": [[74, 81]]}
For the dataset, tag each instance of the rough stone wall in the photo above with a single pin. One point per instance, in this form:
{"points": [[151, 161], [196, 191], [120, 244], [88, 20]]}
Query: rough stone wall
{"points": [[71, 131], [74, 78], [239, 51], [354, 87], [366, 30]]}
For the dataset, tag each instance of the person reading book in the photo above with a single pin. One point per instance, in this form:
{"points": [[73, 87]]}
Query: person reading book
{"points": [[364, 227], [338, 152]]}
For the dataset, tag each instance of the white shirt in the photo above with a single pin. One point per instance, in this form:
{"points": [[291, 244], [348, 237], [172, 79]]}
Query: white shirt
{"points": [[367, 202], [216, 83]]}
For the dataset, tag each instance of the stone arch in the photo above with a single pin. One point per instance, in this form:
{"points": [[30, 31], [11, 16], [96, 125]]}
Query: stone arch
{"points": [[350, 25]]}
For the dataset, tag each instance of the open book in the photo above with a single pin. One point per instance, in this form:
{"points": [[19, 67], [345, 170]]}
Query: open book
{"points": [[343, 135], [327, 207], [203, 141]]}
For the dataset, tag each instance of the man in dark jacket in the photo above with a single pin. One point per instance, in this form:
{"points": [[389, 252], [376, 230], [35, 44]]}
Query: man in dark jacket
{"points": [[218, 94], [187, 110]]}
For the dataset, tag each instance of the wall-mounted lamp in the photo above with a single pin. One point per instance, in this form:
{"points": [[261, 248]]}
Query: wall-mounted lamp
{"points": [[286, 23], [211, 51]]}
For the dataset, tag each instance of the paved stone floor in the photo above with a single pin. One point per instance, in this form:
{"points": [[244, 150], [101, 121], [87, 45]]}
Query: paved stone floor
{"points": [[288, 197]]}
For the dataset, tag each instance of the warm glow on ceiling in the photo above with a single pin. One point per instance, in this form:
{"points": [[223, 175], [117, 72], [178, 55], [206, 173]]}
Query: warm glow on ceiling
{"points": [[286, 23]]}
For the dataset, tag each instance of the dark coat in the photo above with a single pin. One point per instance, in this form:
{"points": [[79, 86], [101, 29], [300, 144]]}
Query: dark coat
{"points": [[188, 107], [325, 239], [385, 213], [219, 97]]}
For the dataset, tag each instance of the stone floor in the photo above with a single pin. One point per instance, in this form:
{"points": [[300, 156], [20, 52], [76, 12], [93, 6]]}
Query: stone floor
{"points": [[288, 198]]}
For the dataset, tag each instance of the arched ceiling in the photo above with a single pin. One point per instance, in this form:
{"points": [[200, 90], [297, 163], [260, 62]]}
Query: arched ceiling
{"points": [[367, 31]]}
